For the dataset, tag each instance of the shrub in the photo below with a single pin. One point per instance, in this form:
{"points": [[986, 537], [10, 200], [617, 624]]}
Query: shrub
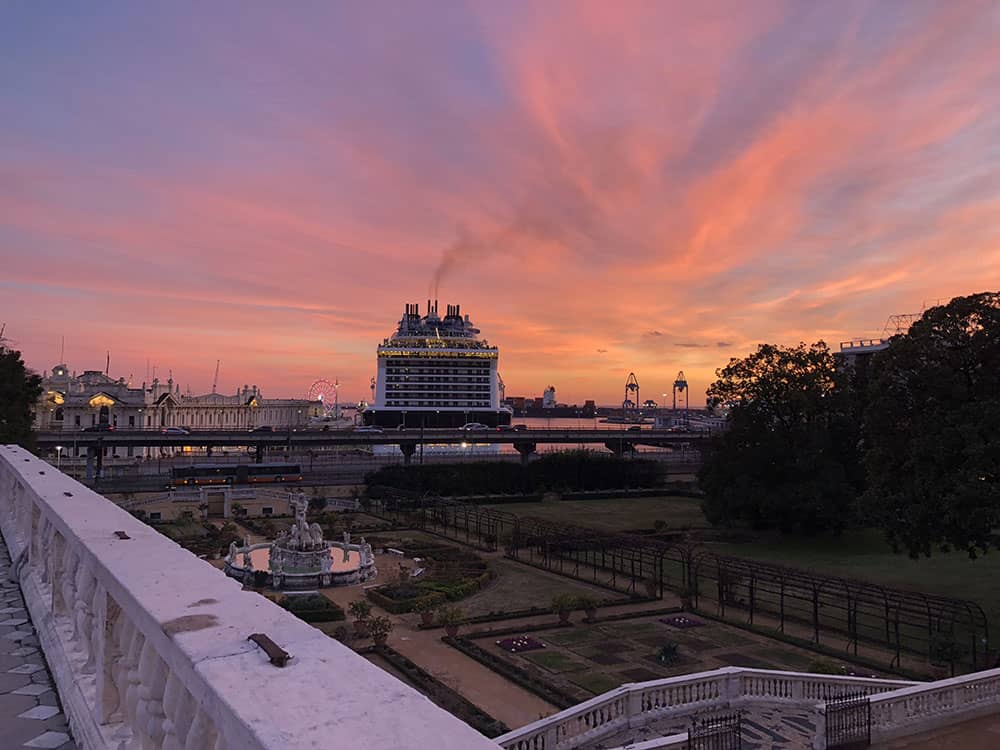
{"points": [[451, 616], [824, 666], [669, 653], [564, 602], [379, 628], [360, 610]]}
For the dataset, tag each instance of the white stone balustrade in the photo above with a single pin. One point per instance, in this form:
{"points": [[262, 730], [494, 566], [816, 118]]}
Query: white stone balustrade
{"points": [[925, 706], [637, 704], [148, 644]]}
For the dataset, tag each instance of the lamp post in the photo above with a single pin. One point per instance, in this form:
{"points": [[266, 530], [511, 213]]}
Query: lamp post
{"points": [[58, 456]]}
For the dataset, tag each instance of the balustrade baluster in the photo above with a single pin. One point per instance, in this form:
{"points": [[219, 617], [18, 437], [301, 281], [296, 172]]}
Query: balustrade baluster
{"points": [[150, 715], [202, 733], [178, 706], [132, 678], [57, 556], [83, 616]]}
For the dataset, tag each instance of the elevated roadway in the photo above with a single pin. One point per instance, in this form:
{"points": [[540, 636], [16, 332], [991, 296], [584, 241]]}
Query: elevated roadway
{"points": [[49, 440], [525, 442]]}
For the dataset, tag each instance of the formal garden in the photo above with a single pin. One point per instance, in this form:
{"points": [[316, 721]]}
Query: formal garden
{"points": [[570, 664], [203, 538], [446, 573]]}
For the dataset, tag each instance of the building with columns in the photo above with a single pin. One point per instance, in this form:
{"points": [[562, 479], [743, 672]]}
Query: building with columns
{"points": [[72, 402]]}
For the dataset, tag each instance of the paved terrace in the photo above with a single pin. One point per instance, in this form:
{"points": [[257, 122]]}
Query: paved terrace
{"points": [[148, 644]]}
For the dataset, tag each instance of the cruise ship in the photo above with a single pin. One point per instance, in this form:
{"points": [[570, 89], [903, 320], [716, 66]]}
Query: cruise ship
{"points": [[436, 372]]}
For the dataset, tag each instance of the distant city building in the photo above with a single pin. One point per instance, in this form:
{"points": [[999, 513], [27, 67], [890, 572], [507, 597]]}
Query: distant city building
{"points": [[72, 402], [549, 398], [863, 349], [539, 407]]}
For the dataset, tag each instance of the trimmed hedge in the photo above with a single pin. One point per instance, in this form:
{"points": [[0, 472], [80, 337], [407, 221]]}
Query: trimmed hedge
{"points": [[552, 693], [561, 472], [312, 608], [402, 606], [443, 695], [434, 598], [538, 611]]}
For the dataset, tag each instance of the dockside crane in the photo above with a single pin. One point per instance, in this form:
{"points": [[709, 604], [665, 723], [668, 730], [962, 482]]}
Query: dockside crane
{"points": [[215, 380]]}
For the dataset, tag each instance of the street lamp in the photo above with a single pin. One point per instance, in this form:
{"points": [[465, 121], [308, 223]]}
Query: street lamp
{"points": [[58, 456]]}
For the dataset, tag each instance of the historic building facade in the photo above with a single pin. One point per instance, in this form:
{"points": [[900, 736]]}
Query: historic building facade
{"points": [[72, 402]]}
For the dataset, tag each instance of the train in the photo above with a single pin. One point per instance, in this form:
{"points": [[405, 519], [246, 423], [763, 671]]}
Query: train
{"points": [[207, 474]]}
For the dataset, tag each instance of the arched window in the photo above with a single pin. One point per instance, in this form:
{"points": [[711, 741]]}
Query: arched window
{"points": [[59, 414], [104, 415]]}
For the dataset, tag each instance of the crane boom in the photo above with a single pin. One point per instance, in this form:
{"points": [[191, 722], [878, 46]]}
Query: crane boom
{"points": [[215, 380]]}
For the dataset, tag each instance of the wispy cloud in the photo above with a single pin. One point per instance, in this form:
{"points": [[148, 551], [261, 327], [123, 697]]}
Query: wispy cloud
{"points": [[730, 175]]}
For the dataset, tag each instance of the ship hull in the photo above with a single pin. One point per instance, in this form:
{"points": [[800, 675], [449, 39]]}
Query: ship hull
{"points": [[390, 418]]}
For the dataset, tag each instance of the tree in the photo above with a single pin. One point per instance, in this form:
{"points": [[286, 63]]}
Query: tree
{"points": [[20, 390], [932, 430], [788, 458]]}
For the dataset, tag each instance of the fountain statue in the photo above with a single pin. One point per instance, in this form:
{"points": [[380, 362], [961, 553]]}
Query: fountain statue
{"points": [[300, 558]]}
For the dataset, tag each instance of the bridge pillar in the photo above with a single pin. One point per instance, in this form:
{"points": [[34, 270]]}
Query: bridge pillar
{"points": [[91, 454], [258, 453], [525, 449], [100, 459], [408, 450], [619, 447], [208, 451]]}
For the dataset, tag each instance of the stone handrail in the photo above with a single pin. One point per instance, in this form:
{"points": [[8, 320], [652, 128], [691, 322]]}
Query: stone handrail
{"points": [[921, 707], [148, 644], [636, 704]]}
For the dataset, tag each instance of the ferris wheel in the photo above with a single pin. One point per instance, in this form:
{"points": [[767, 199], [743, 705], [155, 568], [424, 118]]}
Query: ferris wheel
{"points": [[326, 393]]}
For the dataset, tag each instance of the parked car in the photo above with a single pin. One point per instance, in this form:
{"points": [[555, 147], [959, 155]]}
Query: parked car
{"points": [[175, 431], [369, 428], [474, 427], [505, 428], [634, 428], [520, 427], [263, 428], [100, 427]]}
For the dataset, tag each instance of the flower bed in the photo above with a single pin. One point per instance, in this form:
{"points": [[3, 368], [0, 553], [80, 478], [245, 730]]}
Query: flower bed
{"points": [[682, 622], [520, 643], [553, 694]]}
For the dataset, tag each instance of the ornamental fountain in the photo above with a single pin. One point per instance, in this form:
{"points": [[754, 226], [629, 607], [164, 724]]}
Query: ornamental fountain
{"points": [[300, 558]]}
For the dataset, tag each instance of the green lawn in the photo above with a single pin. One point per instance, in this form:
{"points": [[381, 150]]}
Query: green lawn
{"points": [[553, 661], [617, 514], [595, 682], [865, 555]]}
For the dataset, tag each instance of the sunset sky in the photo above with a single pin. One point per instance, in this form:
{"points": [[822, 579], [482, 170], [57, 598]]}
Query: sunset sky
{"points": [[604, 187]]}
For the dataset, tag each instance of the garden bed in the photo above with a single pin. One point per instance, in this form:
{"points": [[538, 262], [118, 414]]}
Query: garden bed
{"points": [[544, 690], [312, 608], [452, 573]]}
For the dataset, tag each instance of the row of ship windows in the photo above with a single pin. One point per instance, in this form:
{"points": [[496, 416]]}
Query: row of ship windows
{"points": [[437, 387], [478, 369], [418, 379], [465, 404]]}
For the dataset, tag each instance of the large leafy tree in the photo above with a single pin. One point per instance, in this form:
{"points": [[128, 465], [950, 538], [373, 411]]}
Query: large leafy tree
{"points": [[20, 390], [788, 458], [932, 430]]}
